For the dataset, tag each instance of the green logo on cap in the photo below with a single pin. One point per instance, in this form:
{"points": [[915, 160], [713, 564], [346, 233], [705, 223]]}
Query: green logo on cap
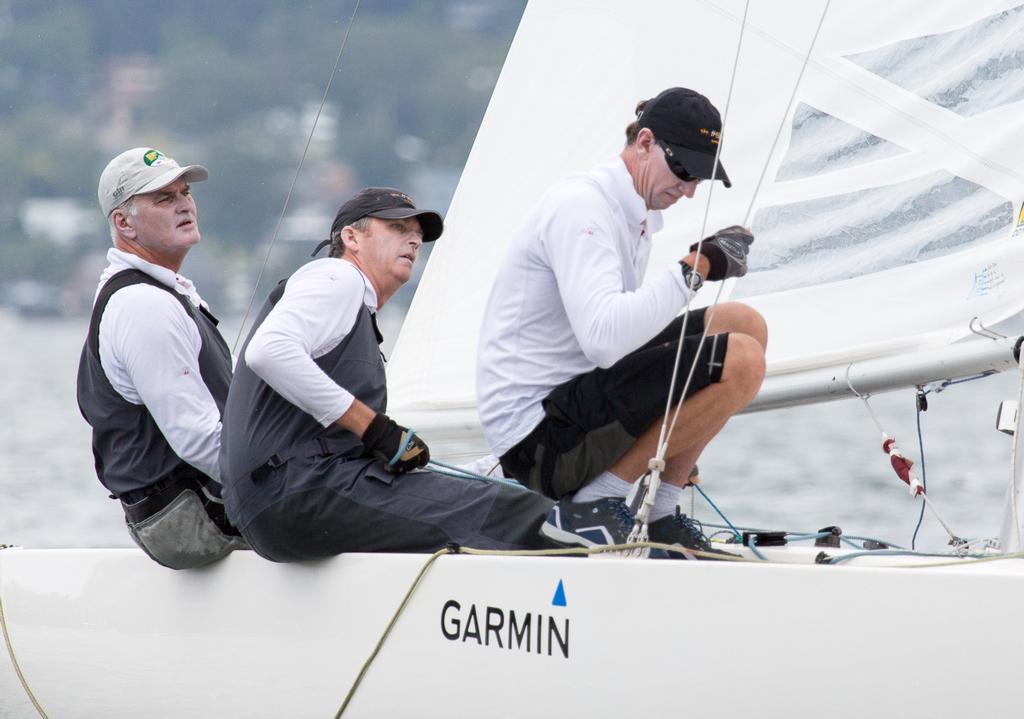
{"points": [[152, 157]]}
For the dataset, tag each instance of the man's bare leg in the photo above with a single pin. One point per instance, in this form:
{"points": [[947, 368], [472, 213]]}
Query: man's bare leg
{"points": [[703, 415]]}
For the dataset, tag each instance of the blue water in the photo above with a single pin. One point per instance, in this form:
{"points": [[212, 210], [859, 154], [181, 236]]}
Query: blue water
{"points": [[797, 469]]}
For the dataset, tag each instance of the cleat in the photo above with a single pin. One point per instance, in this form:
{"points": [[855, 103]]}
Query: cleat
{"points": [[588, 524], [683, 532]]}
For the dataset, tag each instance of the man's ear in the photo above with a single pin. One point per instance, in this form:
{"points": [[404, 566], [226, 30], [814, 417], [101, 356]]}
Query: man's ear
{"points": [[645, 140], [350, 238], [122, 225]]}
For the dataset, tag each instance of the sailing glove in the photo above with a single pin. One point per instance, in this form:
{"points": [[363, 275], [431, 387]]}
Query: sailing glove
{"points": [[727, 251], [397, 446]]}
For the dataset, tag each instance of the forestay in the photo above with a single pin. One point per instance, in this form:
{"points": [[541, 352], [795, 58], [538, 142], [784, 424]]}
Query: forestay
{"points": [[890, 212]]}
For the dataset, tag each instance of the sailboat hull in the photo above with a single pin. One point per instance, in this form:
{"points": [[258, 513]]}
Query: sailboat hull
{"points": [[109, 633]]}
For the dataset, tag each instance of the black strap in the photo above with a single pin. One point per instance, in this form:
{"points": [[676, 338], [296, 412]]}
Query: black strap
{"points": [[316, 447], [376, 329]]}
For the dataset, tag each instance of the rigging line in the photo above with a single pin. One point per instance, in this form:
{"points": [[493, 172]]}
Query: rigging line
{"points": [[666, 431], [665, 435], [391, 625], [736, 532], [924, 472], [657, 463], [452, 470], [789, 108], [863, 398], [912, 119], [14, 663], [298, 168], [757, 189]]}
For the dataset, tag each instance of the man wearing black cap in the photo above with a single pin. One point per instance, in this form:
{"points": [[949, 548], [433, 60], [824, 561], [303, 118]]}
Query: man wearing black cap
{"points": [[576, 353], [312, 466], [154, 370]]}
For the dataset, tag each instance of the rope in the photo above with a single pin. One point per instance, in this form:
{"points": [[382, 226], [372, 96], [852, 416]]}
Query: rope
{"points": [[736, 532], [455, 549], [14, 662], [924, 473], [305, 151], [666, 429], [451, 470], [387, 631], [789, 108], [657, 464], [616, 549]]}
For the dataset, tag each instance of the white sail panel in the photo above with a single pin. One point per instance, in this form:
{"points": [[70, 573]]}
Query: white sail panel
{"points": [[915, 289], [822, 143], [969, 70]]}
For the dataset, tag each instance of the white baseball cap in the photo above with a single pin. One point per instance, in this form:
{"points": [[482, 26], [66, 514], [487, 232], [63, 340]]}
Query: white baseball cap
{"points": [[138, 171]]}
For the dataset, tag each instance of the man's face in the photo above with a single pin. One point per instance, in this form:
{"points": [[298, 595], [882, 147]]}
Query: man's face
{"points": [[392, 250], [659, 186], [166, 221]]}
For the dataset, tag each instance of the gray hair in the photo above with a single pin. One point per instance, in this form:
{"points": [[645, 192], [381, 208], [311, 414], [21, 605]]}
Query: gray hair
{"points": [[129, 208], [337, 245]]}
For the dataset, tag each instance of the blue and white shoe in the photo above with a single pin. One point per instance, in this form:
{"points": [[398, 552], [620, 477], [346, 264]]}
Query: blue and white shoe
{"points": [[588, 524]]}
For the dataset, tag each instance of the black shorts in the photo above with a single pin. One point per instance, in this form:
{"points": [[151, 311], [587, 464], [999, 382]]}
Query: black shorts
{"points": [[591, 420]]}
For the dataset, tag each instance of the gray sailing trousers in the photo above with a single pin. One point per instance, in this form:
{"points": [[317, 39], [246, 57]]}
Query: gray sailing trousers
{"points": [[317, 507]]}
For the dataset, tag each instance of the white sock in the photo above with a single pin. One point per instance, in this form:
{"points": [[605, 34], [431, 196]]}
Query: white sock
{"points": [[605, 484], [666, 500]]}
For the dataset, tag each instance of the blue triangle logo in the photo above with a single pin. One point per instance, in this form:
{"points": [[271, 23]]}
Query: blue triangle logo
{"points": [[559, 599]]}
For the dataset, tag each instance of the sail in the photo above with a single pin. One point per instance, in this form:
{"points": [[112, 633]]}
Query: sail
{"points": [[889, 219]]}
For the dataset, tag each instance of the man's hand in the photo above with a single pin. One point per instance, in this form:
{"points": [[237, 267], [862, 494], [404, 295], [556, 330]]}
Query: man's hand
{"points": [[399, 448], [727, 251]]}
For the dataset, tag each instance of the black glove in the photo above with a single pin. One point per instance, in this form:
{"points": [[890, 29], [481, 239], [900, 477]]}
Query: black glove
{"points": [[399, 448], [727, 251]]}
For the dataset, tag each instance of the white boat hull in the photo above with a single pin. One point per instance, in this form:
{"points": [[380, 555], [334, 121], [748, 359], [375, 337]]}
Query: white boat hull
{"points": [[108, 633]]}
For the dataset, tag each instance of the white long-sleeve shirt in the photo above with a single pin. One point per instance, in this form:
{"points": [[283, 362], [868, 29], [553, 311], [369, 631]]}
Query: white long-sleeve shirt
{"points": [[149, 348], [568, 297], [315, 313]]}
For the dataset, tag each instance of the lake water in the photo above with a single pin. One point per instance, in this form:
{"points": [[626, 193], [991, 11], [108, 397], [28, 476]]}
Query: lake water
{"points": [[797, 469]]}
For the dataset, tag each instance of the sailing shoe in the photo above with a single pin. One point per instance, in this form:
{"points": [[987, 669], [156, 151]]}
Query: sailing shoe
{"points": [[588, 524], [680, 530]]}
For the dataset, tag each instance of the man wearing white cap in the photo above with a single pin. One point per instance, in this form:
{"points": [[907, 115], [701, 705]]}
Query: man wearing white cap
{"points": [[154, 372]]}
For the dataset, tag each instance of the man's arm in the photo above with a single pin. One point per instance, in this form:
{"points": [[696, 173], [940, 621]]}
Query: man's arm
{"points": [[608, 321], [316, 312], [149, 348]]}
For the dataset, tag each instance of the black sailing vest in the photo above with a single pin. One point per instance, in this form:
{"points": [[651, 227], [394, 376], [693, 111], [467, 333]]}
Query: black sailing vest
{"points": [[128, 448], [260, 425]]}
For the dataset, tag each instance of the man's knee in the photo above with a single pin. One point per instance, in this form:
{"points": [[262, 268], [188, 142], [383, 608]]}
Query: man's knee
{"points": [[743, 319], [744, 365]]}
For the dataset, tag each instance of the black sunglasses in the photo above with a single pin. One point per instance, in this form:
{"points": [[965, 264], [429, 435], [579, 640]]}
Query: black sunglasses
{"points": [[673, 164]]}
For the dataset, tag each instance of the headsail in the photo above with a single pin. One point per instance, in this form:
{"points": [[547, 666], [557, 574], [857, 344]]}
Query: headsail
{"points": [[889, 214]]}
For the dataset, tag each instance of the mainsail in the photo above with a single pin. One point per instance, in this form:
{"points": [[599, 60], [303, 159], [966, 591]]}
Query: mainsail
{"points": [[889, 223]]}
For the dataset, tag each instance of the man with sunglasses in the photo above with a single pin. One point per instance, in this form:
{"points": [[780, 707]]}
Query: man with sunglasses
{"points": [[576, 353]]}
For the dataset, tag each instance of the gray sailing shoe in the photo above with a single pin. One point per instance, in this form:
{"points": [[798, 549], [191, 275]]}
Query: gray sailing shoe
{"points": [[679, 530]]}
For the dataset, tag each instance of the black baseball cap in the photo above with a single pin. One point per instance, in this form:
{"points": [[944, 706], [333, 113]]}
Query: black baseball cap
{"points": [[385, 203], [691, 127]]}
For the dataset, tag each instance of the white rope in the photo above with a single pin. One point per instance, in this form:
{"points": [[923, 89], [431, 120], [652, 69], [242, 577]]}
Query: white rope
{"points": [[648, 490], [288, 197], [14, 661], [665, 435]]}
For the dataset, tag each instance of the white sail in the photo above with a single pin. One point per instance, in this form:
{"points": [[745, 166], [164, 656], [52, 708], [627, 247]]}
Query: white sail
{"points": [[887, 219], [869, 266]]}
